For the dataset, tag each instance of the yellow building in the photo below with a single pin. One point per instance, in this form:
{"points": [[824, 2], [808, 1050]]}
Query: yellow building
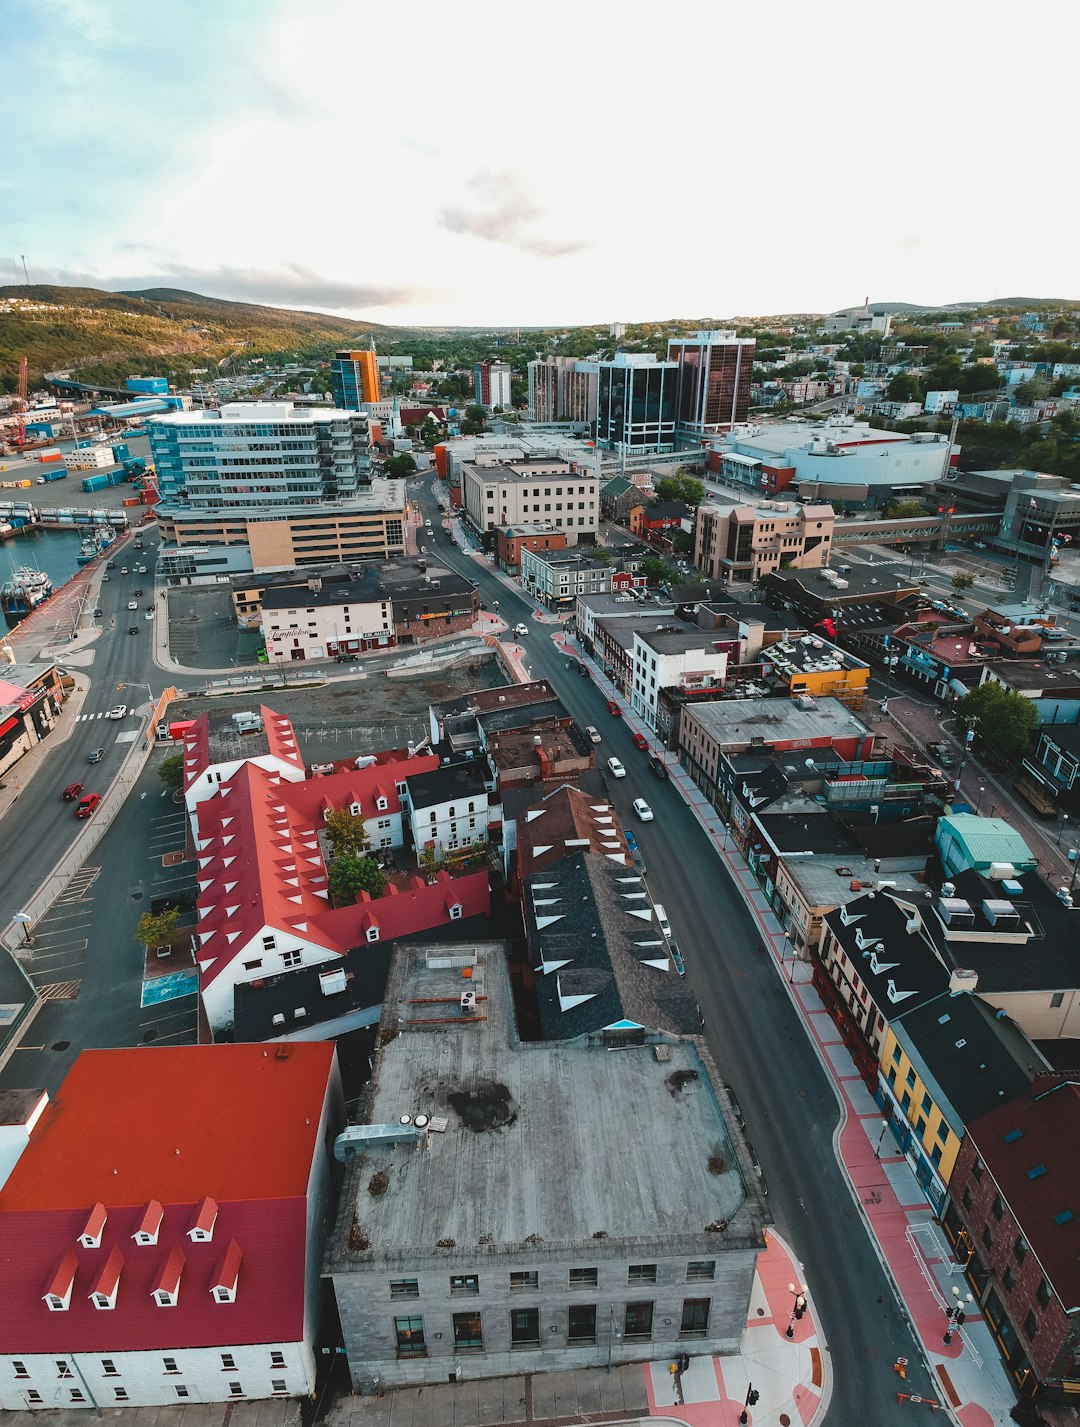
{"points": [[814, 666], [942, 1066]]}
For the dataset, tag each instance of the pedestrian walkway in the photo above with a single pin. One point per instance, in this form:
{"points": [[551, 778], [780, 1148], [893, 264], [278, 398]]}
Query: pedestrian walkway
{"points": [[972, 1383]]}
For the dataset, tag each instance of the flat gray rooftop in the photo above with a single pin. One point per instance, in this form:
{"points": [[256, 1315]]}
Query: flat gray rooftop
{"points": [[562, 1141], [735, 721]]}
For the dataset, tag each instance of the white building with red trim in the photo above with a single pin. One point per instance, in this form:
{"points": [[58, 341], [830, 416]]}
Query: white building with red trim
{"points": [[161, 1230], [263, 886]]}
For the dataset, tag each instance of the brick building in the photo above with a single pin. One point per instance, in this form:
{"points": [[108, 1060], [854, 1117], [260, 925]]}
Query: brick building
{"points": [[510, 540]]}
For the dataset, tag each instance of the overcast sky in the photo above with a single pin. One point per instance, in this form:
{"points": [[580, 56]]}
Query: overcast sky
{"points": [[556, 163]]}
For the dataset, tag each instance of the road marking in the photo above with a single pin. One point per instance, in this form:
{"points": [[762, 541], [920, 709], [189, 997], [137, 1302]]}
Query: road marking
{"points": [[62, 950], [60, 991], [28, 1047]]}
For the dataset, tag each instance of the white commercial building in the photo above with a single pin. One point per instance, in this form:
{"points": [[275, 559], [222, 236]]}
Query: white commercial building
{"points": [[555, 492], [672, 658]]}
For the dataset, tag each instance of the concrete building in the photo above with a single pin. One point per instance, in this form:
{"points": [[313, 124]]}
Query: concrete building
{"points": [[637, 1239], [161, 1232], [259, 485], [354, 379], [588, 609], [552, 492], [31, 707], [563, 389], [741, 542], [555, 578], [860, 319], [675, 657], [491, 384], [449, 808], [636, 403], [839, 459], [713, 384]]}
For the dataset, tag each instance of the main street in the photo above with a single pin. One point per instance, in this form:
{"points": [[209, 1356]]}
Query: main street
{"points": [[754, 1035]]}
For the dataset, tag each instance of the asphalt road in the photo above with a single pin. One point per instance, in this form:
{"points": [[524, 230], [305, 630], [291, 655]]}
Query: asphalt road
{"points": [[757, 1041]]}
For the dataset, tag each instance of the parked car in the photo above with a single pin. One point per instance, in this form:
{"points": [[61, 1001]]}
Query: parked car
{"points": [[644, 812], [110, 565], [757, 1167], [149, 613], [740, 1119], [640, 741], [97, 612], [657, 767], [614, 709], [635, 852], [120, 711], [87, 805], [521, 629], [71, 792], [661, 919], [592, 731], [97, 755], [617, 770], [583, 670]]}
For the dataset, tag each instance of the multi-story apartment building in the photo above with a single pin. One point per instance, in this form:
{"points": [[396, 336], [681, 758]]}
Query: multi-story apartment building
{"points": [[354, 379], [713, 385], [636, 403], [259, 485], [556, 577], [552, 491], [491, 384], [563, 389], [673, 656], [742, 542]]}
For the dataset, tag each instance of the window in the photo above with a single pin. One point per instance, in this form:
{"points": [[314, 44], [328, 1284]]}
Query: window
{"points": [[277, 1385], [641, 1273], [966, 1197], [277, 1360], [896, 1054], [911, 1079], [32, 1395], [252, 965], [228, 1295], [468, 1333], [524, 1327], [699, 1270], [1056, 999], [291, 958], [1031, 1325], [77, 1395], [638, 1321], [169, 1365], [520, 1282], [409, 1333], [581, 1323], [925, 1104], [19, 1368], [905, 1103], [62, 1368], [404, 1288], [235, 1390], [987, 1237], [464, 1283], [181, 1390], [228, 1362], [1020, 1249], [268, 943], [1008, 1279], [976, 1169], [583, 1278], [1042, 1293], [998, 1206], [121, 1394], [695, 1318]]}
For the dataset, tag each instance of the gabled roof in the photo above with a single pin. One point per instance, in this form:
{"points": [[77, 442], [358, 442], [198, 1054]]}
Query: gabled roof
{"points": [[361, 786], [1031, 1146], [564, 823], [593, 941], [175, 1125]]}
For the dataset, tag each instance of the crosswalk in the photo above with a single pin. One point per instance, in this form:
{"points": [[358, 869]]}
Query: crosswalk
{"points": [[89, 718]]}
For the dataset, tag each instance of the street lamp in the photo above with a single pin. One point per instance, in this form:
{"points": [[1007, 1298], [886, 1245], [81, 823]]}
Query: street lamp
{"points": [[25, 919], [978, 800], [884, 1127], [798, 1307], [955, 1313], [1061, 827], [613, 1333]]}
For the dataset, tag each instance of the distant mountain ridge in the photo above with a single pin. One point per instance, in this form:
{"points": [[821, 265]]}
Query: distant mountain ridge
{"points": [[902, 308]]}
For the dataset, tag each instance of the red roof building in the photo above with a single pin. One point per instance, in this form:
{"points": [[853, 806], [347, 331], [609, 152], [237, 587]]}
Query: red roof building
{"points": [[160, 1233]]}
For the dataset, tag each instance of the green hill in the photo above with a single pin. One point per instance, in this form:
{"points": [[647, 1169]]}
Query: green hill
{"points": [[106, 336]]}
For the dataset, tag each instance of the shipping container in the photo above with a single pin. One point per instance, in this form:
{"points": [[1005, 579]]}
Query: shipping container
{"points": [[120, 453], [95, 483], [50, 455], [131, 500], [56, 475]]}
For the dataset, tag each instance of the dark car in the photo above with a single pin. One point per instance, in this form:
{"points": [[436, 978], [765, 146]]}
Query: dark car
{"points": [[657, 767], [614, 709], [71, 792], [133, 629], [97, 755], [138, 593], [87, 805], [583, 670]]}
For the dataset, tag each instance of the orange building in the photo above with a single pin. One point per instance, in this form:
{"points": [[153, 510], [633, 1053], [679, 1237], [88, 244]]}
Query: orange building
{"points": [[354, 377]]}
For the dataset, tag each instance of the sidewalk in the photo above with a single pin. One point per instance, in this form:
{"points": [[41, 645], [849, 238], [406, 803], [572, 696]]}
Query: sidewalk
{"points": [[973, 1386], [792, 1376]]}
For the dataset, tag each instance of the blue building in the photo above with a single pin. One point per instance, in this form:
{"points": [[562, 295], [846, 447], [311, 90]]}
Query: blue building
{"points": [[148, 386]]}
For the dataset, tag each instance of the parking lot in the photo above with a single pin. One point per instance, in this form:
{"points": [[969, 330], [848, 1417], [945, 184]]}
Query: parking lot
{"points": [[203, 632]]}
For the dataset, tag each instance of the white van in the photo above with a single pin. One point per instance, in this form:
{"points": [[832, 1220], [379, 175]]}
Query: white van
{"points": [[661, 917]]}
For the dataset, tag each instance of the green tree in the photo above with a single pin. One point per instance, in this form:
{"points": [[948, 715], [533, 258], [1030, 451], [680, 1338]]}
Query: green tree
{"points": [[171, 772], [401, 466], [962, 581], [656, 572], [999, 716], [903, 387], [682, 542], [680, 487], [903, 510], [156, 928], [350, 875], [346, 833]]}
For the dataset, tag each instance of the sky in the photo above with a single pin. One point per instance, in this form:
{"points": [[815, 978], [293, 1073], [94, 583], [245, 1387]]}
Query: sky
{"points": [[543, 165]]}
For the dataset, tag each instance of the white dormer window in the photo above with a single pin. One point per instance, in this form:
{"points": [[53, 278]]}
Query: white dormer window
{"points": [[225, 1295], [164, 1299], [202, 1226], [101, 1300], [455, 911], [326, 814], [355, 809], [55, 1303], [373, 933], [381, 804]]}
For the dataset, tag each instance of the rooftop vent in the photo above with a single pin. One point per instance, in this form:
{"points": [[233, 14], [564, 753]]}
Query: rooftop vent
{"points": [[955, 912], [999, 913]]}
